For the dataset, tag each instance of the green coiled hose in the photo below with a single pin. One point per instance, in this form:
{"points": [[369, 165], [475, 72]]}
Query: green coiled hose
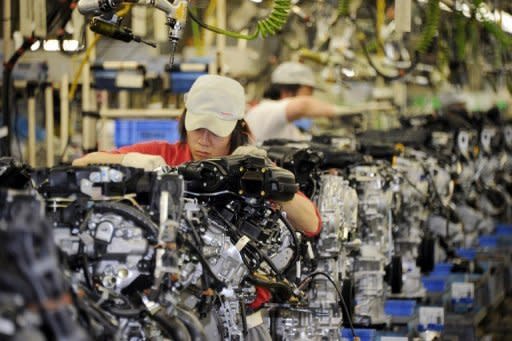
{"points": [[265, 27], [343, 7], [503, 38], [433, 15], [460, 36]]}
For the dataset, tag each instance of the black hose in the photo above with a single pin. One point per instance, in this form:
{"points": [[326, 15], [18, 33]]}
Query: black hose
{"points": [[127, 313], [194, 326], [243, 316], [172, 326]]}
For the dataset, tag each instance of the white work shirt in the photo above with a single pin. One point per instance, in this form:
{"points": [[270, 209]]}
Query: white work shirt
{"points": [[267, 120]]}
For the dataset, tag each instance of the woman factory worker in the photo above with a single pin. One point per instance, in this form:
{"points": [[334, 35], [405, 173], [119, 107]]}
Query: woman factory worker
{"points": [[212, 125]]}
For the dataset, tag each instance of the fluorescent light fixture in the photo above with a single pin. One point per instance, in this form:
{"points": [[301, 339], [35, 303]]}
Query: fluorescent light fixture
{"points": [[506, 22], [348, 72], [70, 45], [257, 1], [35, 46], [51, 45]]}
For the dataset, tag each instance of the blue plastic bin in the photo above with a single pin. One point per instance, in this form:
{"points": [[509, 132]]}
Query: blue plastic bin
{"points": [[466, 253], [400, 308], [488, 241], [435, 284], [442, 269], [363, 334], [504, 230], [431, 326], [180, 82], [134, 131]]}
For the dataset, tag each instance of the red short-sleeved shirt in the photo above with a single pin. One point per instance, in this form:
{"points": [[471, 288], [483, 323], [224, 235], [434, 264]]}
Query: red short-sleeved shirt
{"points": [[174, 154]]}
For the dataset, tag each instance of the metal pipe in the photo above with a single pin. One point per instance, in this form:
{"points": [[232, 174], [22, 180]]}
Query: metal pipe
{"points": [[31, 145], [123, 99], [7, 48], [64, 114], [88, 100], [50, 151], [381, 13], [7, 51], [221, 39], [137, 113]]}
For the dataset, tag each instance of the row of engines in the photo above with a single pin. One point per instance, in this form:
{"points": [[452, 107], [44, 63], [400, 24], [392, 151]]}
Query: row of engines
{"points": [[110, 252]]}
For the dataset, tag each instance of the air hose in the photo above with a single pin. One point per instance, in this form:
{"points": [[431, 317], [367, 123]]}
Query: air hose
{"points": [[343, 7], [433, 15], [265, 27]]}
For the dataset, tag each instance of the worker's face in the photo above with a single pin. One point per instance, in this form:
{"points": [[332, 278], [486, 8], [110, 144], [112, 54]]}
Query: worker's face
{"points": [[204, 144], [305, 90]]}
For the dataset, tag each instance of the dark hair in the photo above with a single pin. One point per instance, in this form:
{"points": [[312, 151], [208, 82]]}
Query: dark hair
{"points": [[239, 136], [274, 91]]}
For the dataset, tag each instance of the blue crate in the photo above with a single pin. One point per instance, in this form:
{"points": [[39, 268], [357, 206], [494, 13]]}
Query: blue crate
{"points": [[363, 334], [463, 305], [180, 82], [466, 253], [128, 132], [488, 241], [400, 308], [442, 269], [503, 230], [434, 284], [431, 326], [105, 79]]}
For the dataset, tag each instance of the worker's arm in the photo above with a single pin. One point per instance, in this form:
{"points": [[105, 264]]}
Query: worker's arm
{"points": [[307, 106], [137, 160], [99, 158], [147, 155], [302, 215]]}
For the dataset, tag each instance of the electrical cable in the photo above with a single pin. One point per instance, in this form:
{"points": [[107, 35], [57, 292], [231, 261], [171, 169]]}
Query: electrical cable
{"points": [[204, 262], [295, 242], [251, 244], [401, 75], [344, 305], [16, 131], [265, 27]]}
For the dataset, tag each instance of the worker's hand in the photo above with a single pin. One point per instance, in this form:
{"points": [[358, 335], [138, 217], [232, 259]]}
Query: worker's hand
{"points": [[81, 162], [250, 150], [145, 161]]}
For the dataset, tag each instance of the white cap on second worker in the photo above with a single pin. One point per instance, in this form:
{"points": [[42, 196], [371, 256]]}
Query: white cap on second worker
{"points": [[293, 73]]}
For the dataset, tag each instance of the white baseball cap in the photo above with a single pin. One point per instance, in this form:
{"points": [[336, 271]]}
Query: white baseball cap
{"points": [[215, 103], [293, 73]]}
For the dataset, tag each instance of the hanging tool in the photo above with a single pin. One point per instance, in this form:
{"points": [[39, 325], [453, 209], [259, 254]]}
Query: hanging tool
{"points": [[105, 21]]}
